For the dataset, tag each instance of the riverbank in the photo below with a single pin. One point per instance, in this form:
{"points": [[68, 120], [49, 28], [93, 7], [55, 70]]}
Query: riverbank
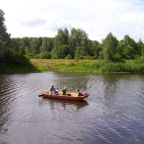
{"points": [[87, 66], [15, 69], [76, 66]]}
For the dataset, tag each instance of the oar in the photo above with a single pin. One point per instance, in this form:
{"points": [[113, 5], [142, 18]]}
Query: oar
{"points": [[40, 95]]}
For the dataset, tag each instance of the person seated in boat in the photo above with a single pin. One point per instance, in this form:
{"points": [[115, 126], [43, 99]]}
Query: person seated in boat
{"points": [[53, 91], [79, 92], [64, 91]]}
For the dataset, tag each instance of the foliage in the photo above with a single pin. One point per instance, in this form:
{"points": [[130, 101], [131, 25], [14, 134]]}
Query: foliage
{"points": [[4, 37], [12, 58], [72, 44], [79, 52], [130, 48], [109, 47], [12, 51], [75, 44], [87, 66], [96, 49], [78, 38], [43, 55]]}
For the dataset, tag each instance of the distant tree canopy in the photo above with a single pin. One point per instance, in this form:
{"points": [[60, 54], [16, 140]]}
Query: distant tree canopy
{"points": [[75, 44], [68, 44], [4, 37], [109, 45]]}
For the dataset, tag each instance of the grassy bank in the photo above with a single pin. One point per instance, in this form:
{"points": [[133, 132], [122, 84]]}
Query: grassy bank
{"points": [[87, 66], [75, 66]]}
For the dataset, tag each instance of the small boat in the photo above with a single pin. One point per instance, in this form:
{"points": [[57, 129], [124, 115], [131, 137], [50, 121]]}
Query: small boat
{"points": [[69, 97]]}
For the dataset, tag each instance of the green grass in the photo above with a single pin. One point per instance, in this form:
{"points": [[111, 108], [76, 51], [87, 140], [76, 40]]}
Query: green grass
{"points": [[87, 66], [76, 66]]}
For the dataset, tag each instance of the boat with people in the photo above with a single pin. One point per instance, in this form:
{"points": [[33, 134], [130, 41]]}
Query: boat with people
{"points": [[71, 96]]}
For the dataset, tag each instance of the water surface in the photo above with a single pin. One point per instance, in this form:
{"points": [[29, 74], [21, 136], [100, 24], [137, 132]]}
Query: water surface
{"points": [[113, 114]]}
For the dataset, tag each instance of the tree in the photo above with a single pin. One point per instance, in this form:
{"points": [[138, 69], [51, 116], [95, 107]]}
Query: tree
{"points": [[109, 45], [61, 38], [46, 45], [79, 52], [130, 47], [78, 38], [96, 49], [4, 37], [120, 49], [20, 45], [25, 45], [129, 52], [140, 46], [61, 44], [35, 45], [142, 49]]}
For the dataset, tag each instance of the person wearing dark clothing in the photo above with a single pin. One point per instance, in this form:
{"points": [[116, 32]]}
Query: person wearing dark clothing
{"points": [[79, 92], [52, 90]]}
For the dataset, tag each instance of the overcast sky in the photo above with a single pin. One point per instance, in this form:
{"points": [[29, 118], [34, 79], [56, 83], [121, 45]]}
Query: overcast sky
{"points": [[97, 17]]}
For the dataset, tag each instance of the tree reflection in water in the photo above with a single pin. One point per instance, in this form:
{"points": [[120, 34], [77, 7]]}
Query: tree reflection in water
{"points": [[65, 104]]}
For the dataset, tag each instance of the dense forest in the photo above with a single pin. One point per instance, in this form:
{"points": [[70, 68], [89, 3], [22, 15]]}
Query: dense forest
{"points": [[76, 45], [67, 44]]}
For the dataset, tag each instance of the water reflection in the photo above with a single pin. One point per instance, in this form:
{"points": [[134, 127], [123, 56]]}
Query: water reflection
{"points": [[65, 104], [113, 113], [110, 88]]}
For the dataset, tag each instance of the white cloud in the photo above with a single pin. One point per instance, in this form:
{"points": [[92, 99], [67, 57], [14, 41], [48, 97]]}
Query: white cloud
{"points": [[33, 22], [96, 17]]}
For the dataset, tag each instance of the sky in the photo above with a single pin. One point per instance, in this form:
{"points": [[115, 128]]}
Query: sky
{"points": [[35, 18]]}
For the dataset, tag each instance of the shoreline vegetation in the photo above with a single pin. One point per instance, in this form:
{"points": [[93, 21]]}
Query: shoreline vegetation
{"points": [[78, 66], [87, 66], [70, 51]]}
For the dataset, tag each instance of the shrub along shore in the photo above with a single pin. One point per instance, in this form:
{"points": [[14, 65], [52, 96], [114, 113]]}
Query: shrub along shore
{"points": [[70, 51], [77, 66], [87, 66]]}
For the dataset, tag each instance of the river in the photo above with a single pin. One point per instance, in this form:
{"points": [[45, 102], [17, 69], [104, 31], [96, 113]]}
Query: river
{"points": [[112, 114]]}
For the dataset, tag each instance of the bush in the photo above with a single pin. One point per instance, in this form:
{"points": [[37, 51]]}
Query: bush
{"points": [[43, 55], [68, 56], [11, 58], [88, 57], [140, 60], [30, 55]]}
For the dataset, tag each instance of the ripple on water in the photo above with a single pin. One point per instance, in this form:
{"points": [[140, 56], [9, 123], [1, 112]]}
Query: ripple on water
{"points": [[114, 112]]}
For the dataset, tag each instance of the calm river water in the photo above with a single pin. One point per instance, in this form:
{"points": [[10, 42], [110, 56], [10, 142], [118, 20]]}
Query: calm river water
{"points": [[113, 114]]}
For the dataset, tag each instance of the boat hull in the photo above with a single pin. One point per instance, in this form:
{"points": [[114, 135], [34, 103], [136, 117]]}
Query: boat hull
{"points": [[71, 97]]}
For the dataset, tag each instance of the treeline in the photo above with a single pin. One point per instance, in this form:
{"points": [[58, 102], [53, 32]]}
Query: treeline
{"points": [[11, 59], [75, 44]]}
